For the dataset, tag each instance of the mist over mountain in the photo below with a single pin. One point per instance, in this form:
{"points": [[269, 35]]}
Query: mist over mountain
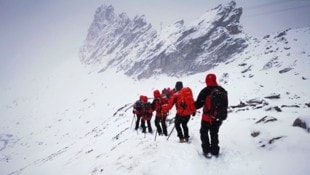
{"points": [[135, 48], [78, 119]]}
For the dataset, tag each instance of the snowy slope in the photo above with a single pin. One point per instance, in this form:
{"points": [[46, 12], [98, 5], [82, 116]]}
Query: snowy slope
{"points": [[78, 122]]}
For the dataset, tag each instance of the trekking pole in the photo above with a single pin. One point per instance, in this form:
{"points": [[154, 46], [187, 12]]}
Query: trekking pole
{"points": [[133, 118], [170, 132], [155, 135]]}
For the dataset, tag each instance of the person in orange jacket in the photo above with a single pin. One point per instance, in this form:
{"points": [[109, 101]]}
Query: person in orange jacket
{"points": [[185, 108]]}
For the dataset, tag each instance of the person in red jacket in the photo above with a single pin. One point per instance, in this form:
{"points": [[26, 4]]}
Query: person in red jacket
{"points": [[209, 124], [147, 113], [160, 119], [185, 108]]}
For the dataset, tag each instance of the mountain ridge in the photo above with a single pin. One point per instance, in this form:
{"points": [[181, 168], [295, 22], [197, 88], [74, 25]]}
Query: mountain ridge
{"points": [[182, 50]]}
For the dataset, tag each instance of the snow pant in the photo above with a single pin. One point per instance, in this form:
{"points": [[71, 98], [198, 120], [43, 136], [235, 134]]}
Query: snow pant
{"points": [[163, 128], [210, 146], [148, 126], [137, 122], [182, 121]]}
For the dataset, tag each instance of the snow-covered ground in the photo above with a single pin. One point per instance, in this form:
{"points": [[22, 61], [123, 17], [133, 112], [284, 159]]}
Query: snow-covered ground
{"points": [[76, 122]]}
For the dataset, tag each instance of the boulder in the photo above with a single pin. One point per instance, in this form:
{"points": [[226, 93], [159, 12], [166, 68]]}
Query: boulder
{"points": [[303, 122]]}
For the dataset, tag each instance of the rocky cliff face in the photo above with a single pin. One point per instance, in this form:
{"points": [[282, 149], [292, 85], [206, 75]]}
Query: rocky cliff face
{"points": [[132, 46], [111, 38]]}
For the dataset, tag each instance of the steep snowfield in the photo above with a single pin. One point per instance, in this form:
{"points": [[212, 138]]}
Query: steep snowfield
{"points": [[77, 122]]}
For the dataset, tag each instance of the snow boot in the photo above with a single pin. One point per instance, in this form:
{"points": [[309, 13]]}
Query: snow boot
{"points": [[207, 155], [182, 140]]}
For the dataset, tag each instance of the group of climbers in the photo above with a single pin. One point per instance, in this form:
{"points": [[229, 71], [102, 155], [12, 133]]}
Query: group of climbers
{"points": [[143, 110], [212, 98]]}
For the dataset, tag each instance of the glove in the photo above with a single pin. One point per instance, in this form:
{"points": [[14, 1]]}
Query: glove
{"points": [[194, 114]]}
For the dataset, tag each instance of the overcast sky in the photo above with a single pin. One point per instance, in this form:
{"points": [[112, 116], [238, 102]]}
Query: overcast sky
{"points": [[36, 34], [259, 16]]}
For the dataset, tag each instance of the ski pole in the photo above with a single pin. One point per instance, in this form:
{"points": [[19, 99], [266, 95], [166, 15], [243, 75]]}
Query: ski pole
{"points": [[170, 132]]}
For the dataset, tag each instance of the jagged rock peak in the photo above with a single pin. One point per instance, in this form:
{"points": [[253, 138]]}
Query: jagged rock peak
{"points": [[225, 15], [231, 5], [198, 46], [111, 37], [105, 12], [133, 47]]}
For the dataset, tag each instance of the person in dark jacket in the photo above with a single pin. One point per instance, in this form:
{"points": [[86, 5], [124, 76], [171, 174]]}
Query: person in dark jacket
{"points": [[209, 124], [137, 110]]}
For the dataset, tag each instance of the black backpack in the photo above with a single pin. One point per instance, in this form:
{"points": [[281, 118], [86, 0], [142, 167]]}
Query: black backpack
{"points": [[148, 109], [138, 106], [216, 103], [148, 106]]}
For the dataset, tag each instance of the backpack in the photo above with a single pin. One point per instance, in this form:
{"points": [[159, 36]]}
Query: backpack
{"points": [[167, 93], [147, 110], [148, 107], [216, 104], [138, 106], [185, 102], [157, 106]]}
